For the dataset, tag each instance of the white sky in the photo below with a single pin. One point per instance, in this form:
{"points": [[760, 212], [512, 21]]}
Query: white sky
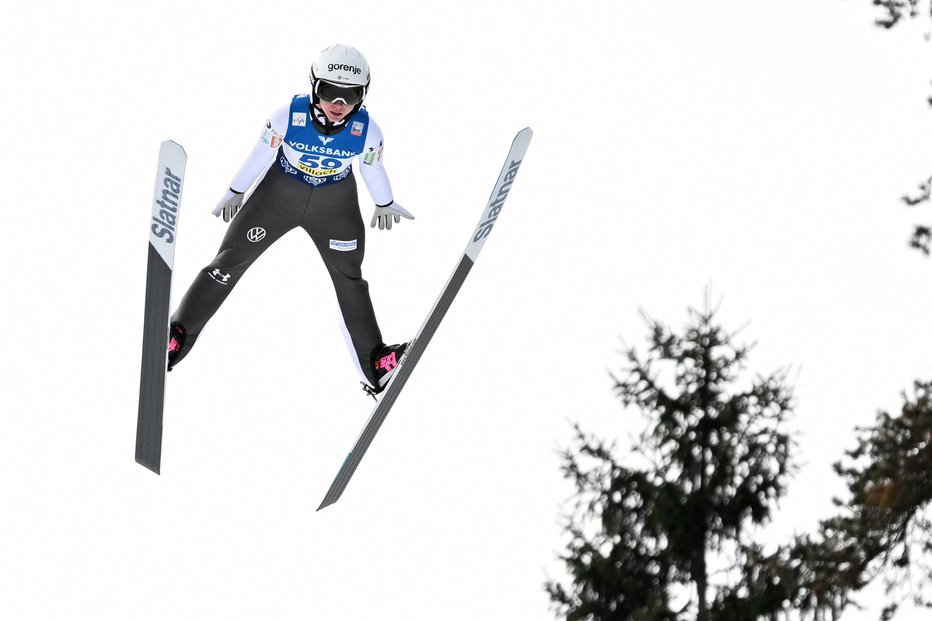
{"points": [[755, 147]]}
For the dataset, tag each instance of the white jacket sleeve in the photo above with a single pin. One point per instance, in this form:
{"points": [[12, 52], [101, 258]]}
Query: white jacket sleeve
{"points": [[263, 154], [372, 169]]}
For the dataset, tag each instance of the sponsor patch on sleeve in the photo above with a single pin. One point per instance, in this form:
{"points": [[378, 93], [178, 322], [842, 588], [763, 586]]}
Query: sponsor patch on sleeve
{"points": [[270, 136], [373, 155]]}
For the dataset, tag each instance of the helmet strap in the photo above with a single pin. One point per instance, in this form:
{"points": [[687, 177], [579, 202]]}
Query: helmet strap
{"points": [[323, 123]]}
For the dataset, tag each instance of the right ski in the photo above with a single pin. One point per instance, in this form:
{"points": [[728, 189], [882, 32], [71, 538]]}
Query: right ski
{"points": [[490, 213], [163, 228]]}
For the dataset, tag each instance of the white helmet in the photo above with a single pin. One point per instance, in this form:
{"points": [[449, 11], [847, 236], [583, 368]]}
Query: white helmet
{"points": [[340, 72]]}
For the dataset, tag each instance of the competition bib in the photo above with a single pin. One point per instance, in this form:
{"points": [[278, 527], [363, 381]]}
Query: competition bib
{"points": [[313, 158]]}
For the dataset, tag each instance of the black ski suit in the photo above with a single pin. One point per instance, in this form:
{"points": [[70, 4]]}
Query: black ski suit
{"points": [[309, 184]]}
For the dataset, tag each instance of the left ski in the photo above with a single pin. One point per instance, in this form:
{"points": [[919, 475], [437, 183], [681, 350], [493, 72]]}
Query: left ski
{"points": [[417, 345], [163, 229]]}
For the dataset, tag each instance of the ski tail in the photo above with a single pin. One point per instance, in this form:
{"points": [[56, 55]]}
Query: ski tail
{"points": [[163, 231], [410, 358]]}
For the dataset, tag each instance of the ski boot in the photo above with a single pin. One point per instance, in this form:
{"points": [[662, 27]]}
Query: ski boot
{"points": [[385, 359], [176, 339]]}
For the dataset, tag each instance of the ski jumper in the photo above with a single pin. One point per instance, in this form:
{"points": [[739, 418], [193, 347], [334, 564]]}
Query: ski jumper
{"points": [[302, 171]]}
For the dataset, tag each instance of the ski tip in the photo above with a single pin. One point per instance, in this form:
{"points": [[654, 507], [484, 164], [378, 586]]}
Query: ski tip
{"points": [[522, 139], [170, 143]]}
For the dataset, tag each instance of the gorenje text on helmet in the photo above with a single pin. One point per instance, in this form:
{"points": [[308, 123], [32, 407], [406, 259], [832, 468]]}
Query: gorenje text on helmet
{"points": [[351, 68]]}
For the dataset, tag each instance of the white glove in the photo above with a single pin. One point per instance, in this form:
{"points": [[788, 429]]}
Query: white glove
{"points": [[384, 215], [229, 205]]}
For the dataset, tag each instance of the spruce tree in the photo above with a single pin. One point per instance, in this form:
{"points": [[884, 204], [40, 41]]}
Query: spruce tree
{"points": [[666, 538]]}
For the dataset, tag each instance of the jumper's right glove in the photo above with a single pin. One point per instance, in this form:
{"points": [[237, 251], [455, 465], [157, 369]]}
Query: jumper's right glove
{"points": [[229, 205], [384, 214]]}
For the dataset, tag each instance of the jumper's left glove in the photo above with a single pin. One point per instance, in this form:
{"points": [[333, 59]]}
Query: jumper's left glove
{"points": [[229, 205], [384, 214]]}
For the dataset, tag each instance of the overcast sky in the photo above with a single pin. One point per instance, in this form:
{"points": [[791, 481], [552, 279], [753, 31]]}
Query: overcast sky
{"points": [[756, 149]]}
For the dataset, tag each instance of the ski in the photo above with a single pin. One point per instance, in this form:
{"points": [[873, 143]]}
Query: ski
{"points": [[163, 225], [419, 343]]}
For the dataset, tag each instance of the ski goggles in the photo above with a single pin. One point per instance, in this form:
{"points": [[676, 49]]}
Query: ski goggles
{"points": [[331, 93]]}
